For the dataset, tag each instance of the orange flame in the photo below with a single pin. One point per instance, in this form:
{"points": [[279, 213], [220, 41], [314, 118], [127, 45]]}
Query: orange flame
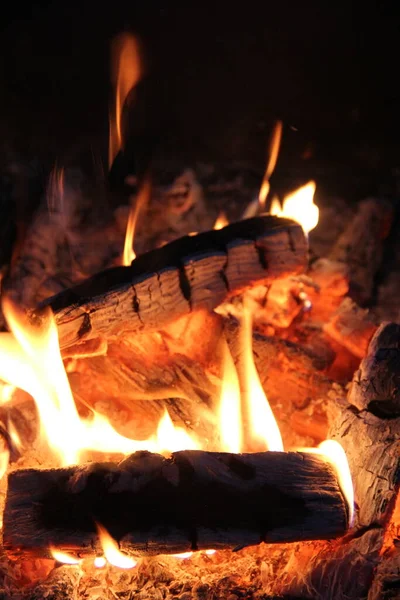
{"points": [[263, 429], [100, 562], [171, 438], [126, 71], [142, 199], [273, 153], [230, 422], [64, 558], [299, 206], [221, 221], [111, 551]]}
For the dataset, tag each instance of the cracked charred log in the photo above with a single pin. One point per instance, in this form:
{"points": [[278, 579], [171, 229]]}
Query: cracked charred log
{"points": [[191, 501], [191, 273]]}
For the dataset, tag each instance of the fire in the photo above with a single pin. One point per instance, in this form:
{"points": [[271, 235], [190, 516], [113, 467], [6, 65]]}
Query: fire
{"points": [[299, 206], [111, 551], [64, 558], [173, 439], [142, 199], [230, 418], [126, 71], [263, 429], [273, 154], [221, 221]]}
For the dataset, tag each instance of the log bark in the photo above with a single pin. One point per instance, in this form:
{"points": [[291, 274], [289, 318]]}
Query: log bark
{"points": [[361, 245], [188, 274], [193, 500]]}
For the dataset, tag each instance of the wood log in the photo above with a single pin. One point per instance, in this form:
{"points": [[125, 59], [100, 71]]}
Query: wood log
{"points": [[193, 500], [191, 273], [361, 244]]}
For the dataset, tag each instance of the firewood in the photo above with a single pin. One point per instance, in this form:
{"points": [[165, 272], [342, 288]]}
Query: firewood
{"points": [[376, 384], [361, 245], [193, 500], [188, 274]]}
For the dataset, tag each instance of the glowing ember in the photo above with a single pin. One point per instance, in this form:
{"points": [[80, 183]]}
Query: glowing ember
{"points": [[99, 562], [111, 551], [263, 429], [126, 71], [183, 555], [230, 418], [142, 199], [209, 552], [299, 206], [4, 459], [64, 558], [221, 221]]}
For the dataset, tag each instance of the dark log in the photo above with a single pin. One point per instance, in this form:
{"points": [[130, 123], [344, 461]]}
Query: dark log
{"points": [[193, 500], [191, 273], [376, 385], [360, 246]]}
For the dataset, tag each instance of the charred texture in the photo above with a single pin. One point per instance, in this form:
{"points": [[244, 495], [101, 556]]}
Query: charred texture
{"points": [[193, 500], [152, 291]]}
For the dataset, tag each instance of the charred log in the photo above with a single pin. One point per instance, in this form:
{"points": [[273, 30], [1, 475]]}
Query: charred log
{"points": [[191, 273], [193, 500]]}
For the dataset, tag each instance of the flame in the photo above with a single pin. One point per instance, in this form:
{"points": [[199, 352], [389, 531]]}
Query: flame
{"points": [[99, 562], [230, 422], [221, 221], [111, 551], [64, 558], [299, 206], [183, 555], [209, 552], [4, 460], [263, 428], [273, 154], [142, 199], [126, 71], [335, 454], [7, 392], [171, 438]]}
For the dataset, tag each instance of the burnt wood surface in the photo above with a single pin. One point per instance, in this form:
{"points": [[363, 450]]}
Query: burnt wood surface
{"points": [[193, 500], [188, 274]]}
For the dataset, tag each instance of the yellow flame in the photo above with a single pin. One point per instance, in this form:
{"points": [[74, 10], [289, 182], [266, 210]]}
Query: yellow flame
{"points": [[221, 221], [64, 558], [126, 71], [273, 154], [99, 562], [263, 430], [142, 199], [299, 206], [230, 422], [7, 392], [210, 552], [173, 439], [112, 552], [183, 555]]}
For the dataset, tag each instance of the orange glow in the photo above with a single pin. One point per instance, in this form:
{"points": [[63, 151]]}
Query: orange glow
{"points": [[64, 558], [183, 555], [221, 221], [142, 199], [263, 430], [335, 454], [299, 206], [4, 460], [112, 552], [6, 393], [209, 552], [230, 418], [273, 153], [126, 71], [173, 439]]}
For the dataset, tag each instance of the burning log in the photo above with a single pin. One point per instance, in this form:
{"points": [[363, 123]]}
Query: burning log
{"points": [[188, 274], [193, 500]]}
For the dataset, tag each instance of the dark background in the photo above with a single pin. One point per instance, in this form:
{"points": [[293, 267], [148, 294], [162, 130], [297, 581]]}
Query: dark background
{"points": [[219, 74]]}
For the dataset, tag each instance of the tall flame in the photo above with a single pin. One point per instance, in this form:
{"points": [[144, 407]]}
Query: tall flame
{"points": [[142, 199], [263, 429], [126, 71], [273, 153], [230, 422], [299, 206]]}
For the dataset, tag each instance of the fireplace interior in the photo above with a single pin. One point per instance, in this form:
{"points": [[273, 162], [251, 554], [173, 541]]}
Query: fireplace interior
{"points": [[200, 344]]}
